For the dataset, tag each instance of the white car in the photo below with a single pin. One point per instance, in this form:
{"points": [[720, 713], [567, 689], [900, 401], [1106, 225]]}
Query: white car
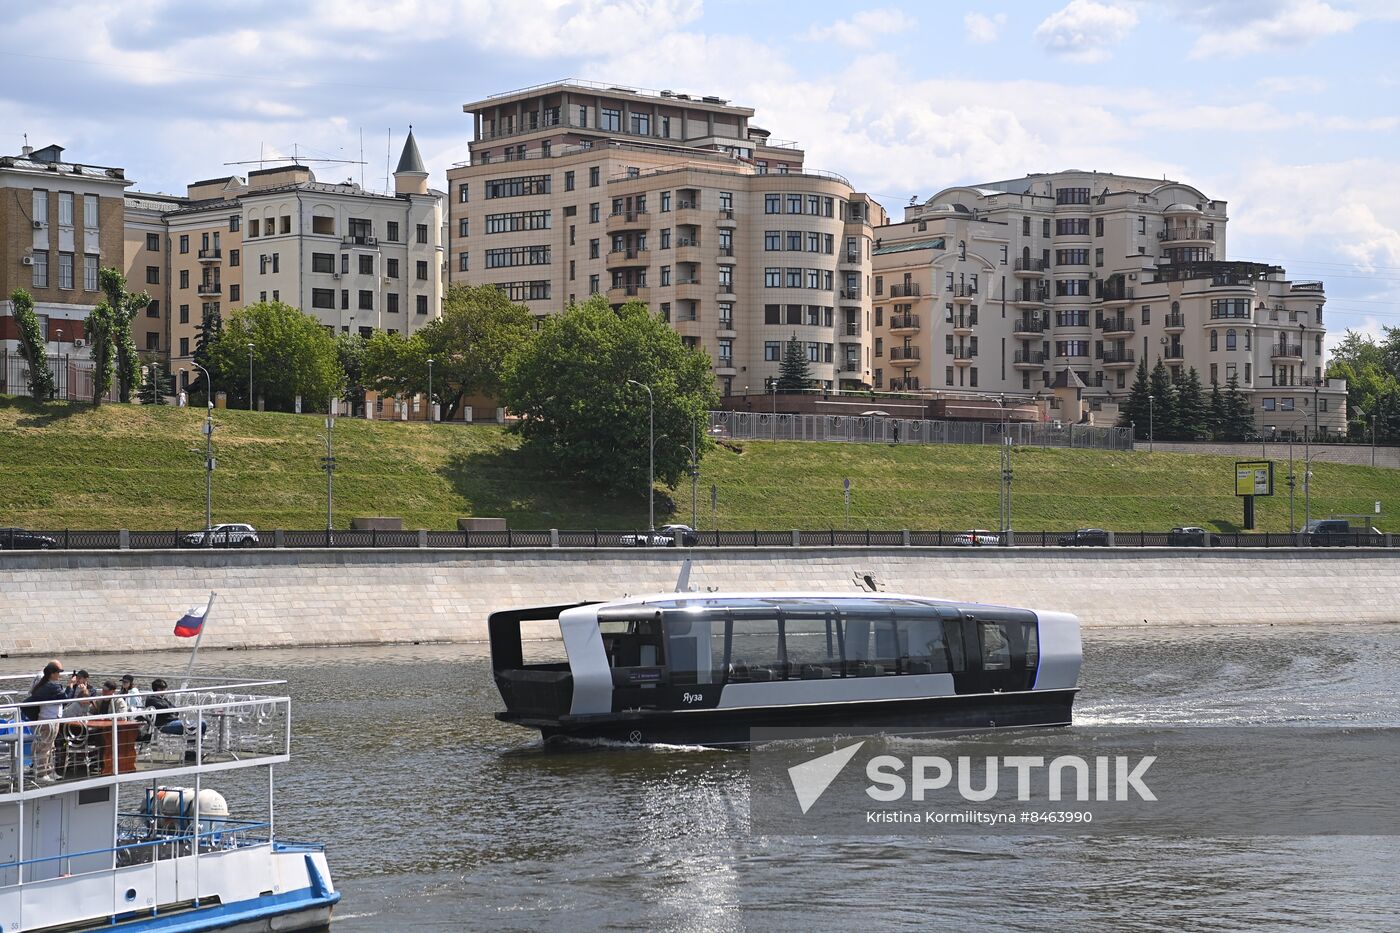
{"points": [[977, 537], [231, 535], [665, 536]]}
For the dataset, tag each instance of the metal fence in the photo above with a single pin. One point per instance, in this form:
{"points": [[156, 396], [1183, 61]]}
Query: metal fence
{"points": [[72, 376], [71, 539], [875, 429]]}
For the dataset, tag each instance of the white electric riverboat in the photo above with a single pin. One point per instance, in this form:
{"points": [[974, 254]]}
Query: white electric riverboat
{"points": [[152, 820], [706, 668]]}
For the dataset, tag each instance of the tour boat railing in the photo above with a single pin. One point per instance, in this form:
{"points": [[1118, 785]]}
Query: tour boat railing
{"points": [[228, 835]]}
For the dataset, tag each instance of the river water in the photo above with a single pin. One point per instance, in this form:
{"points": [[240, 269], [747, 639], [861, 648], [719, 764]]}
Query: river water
{"points": [[439, 818]]}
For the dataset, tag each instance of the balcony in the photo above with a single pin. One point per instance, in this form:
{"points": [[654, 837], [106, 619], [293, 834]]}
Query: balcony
{"points": [[1174, 351], [629, 257], [964, 292], [1028, 327], [850, 258], [688, 290], [963, 323], [1117, 295], [1117, 359], [1028, 359], [211, 255], [623, 293], [688, 215], [904, 323], [209, 289], [904, 356], [1187, 235], [1029, 268], [1175, 321], [368, 242], [1030, 297], [1286, 351], [726, 219], [1116, 325], [628, 220], [852, 329], [904, 291], [850, 294], [726, 255], [687, 250]]}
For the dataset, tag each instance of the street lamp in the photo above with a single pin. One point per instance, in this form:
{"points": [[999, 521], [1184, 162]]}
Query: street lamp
{"points": [[58, 358], [651, 456], [208, 454], [250, 377], [1151, 419], [430, 391]]}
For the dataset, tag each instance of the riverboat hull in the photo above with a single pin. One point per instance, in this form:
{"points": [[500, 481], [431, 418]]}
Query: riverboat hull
{"points": [[736, 726]]}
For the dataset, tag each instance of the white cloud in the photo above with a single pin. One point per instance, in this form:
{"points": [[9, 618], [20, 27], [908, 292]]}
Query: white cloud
{"points": [[982, 28], [863, 29], [1085, 30], [1284, 25]]}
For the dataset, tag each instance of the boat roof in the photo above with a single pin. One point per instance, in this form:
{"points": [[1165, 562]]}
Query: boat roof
{"points": [[789, 600]]}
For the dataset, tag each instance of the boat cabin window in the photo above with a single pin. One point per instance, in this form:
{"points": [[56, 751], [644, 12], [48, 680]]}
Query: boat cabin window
{"points": [[812, 645], [634, 643], [755, 650]]}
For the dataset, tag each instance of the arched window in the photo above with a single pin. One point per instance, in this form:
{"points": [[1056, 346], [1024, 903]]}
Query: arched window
{"points": [[1176, 307], [1215, 340], [1230, 339], [962, 249]]}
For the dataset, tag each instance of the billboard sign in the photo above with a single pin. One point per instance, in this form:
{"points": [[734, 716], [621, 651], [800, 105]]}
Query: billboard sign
{"points": [[1254, 478]]}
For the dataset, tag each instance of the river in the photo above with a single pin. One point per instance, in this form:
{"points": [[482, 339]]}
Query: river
{"points": [[439, 818]]}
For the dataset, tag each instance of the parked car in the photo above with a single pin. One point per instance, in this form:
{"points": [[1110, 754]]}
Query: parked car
{"points": [[977, 537], [231, 535], [17, 539], [1336, 532], [1085, 537], [1192, 536], [665, 536]]}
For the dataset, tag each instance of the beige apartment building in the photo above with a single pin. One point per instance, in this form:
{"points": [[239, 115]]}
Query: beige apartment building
{"points": [[60, 221], [147, 267], [575, 189], [1000, 288], [356, 260]]}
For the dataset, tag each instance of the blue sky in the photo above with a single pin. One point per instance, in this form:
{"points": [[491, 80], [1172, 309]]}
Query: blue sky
{"points": [[1287, 109]]}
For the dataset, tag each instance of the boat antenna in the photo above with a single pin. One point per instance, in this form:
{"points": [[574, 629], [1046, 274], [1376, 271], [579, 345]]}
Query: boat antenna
{"points": [[683, 581]]}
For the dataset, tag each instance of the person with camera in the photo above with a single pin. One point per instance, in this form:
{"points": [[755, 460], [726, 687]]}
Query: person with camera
{"points": [[51, 693]]}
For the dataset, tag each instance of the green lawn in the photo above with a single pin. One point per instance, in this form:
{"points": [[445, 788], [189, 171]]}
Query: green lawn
{"points": [[69, 466]]}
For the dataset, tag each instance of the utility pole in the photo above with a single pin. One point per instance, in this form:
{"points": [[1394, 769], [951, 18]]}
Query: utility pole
{"points": [[651, 457], [1151, 419], [250, 377], [694, 476], [431, 419], [208, 455]]}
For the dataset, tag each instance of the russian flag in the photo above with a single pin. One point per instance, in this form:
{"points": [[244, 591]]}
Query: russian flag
{"points": [[190, 623]]}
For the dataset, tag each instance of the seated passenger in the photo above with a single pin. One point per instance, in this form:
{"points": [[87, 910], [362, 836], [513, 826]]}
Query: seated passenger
{"points": [[110, 701], [159, 705]]}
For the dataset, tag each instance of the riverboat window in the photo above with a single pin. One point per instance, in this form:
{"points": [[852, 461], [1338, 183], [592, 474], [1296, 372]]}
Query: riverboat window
{"points": [[755, 651], [812, 646], [695, 649]]}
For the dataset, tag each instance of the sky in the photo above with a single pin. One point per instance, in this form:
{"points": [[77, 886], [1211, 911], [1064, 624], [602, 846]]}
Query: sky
{"points": [[1289, 110]]}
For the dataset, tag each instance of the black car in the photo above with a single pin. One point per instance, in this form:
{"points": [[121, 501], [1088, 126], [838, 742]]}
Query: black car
{"points": [[17, 539], [1085, 537], [1192, 536]]}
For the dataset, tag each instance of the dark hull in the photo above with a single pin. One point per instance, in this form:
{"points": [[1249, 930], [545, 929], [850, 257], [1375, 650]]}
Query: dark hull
{"points": [[721, 727]]}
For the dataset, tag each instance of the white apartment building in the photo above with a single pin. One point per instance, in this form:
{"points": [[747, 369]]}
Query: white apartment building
{"points": [[998, 287], [574, 189]]}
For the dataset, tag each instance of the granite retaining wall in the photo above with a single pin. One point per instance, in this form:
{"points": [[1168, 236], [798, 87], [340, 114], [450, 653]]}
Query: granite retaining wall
{"points": [[97, 601]]}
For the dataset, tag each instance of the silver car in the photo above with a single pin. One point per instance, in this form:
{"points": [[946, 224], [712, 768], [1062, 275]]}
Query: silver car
{"points": [[230, 535]]}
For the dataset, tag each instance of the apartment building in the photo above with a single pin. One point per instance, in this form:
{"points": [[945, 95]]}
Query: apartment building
{"points": [[1001, 287], [147, 267], [356, 260], [575, 189], [60, 221]]}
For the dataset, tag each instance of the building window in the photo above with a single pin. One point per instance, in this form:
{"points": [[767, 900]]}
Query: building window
{"points": [[153, 309], [568, 181], [65, 270], [422, 270], [89, 273], [65, 208], [1230, 339], [40, 277], [462, 265], [235, 292], [593, 177], [153, 242], [772, 204], [323, 298], [366, 300], [610, 118], [366, 265], [594, 211], [391, 302], [184, 243], [726, 352], [184, 347], [1072, 226], [153, 275]]}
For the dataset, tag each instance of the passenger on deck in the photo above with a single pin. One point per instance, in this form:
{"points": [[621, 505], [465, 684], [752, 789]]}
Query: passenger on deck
{"points": [[80, 692], [111, 702], [51, 693], [129, 692], [166, 722]]}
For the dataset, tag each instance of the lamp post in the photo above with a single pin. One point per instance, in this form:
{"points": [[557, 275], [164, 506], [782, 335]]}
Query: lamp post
{"points": [[208, 454], [651, 456], [250, 377], [328, 463], [1373, 437], [1151, 419], [773, 427], [430, 391], [58, 358]]}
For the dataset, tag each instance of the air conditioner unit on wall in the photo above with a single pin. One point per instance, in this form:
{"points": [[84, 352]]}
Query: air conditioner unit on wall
{"points": [[38, 225], [78, 343], [27, 261]]}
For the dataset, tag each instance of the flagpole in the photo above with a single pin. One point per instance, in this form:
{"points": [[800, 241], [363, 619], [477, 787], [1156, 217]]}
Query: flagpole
{"points": [[204, 623]]}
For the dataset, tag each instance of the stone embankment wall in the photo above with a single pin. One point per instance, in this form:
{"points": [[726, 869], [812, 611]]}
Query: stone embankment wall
{"points": [[1353, 454], [96, 601]]}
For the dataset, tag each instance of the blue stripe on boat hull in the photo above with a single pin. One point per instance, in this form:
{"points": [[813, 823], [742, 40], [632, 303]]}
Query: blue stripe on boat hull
{"points": [[250, 916]]}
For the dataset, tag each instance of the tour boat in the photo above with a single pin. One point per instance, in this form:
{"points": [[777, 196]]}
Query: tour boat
{"points": [[707, 668], [126, 828]]}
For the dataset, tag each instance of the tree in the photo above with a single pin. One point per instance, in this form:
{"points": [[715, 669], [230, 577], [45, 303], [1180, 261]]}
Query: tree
{"points": [[1215, 413], [468, 345], [1239, 417], [31, 346], [1135, 407], [210, 329], [125, 306], [795, 374], [292, 356], [101, 330], [156, 385], [1164, 415], [569, 387], [1192, 416], [350, 351]]}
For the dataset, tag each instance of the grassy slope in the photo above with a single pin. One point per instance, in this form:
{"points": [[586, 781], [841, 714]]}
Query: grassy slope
{"points": [[141, 468]]}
